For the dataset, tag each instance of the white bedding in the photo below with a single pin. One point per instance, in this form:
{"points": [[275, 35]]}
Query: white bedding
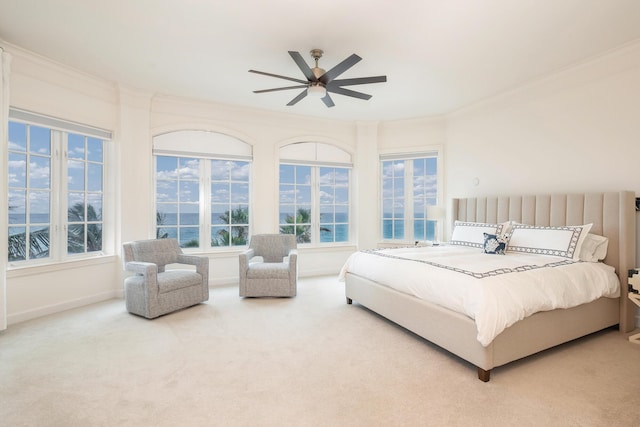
{"points": [[494, 290]]}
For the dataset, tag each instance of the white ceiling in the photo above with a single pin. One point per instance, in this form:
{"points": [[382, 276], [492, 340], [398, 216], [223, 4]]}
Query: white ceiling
{"points": [[438, 55]]}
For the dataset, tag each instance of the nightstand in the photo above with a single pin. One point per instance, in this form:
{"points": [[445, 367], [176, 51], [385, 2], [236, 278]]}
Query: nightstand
{"points": [[634, 296]]}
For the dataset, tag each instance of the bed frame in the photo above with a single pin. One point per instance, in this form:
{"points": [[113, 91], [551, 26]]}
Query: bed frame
{"points": [[612, 215]]}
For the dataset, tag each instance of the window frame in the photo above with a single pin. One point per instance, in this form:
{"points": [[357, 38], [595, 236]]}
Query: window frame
{"points": [[408, 217], [316, 156], [59, 223]]}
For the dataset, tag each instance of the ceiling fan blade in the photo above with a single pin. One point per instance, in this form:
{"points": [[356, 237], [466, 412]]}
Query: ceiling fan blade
{"points": [[347, 92], [340, 68], [298, 98], [328, 101], [304, 67], [280, 88], [358, 81], [279, 76]]}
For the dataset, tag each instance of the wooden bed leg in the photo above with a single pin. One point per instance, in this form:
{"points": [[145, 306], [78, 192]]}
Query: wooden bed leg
{"points": [[349, 300], [484, 375]]}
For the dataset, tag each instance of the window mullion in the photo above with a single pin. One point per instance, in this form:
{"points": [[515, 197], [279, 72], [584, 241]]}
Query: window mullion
{"points": [[205, 204], [408, 200], [315, 205], [59, 220]]}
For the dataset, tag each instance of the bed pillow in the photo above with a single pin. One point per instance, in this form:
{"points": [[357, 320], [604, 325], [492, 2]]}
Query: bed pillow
{"points": [[564, 241], [494, 244], [472, 233], [594, 248]]}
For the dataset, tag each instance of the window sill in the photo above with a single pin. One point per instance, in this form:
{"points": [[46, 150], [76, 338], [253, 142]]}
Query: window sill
{"points": [[302, 247], [49, 267], [327, 248], [404, 244]]}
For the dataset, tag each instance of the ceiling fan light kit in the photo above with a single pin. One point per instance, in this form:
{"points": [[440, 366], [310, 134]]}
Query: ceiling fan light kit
{"points": [[319, 83], [316, 90]]}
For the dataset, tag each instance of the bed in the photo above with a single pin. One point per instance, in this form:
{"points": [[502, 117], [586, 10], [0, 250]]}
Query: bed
{"points": [[612, 215]]}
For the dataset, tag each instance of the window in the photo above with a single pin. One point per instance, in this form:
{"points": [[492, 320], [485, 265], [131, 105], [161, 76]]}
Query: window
{"points": [[56, 188], [85, 166], [177, 199], [314, 193], [207, 183], [409, 186]]}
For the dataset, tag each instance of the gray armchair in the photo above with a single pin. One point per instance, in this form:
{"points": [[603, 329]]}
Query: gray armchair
{"points": [[269, 268], [154, 291]]}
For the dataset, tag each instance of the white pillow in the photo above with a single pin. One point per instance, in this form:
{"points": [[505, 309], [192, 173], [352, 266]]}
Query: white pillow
{"points": [[594, 248], [564, 241], [472, 233]]}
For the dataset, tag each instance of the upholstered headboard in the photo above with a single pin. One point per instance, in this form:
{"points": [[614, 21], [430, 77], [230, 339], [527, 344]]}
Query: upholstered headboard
{"points": [[612, 215]]}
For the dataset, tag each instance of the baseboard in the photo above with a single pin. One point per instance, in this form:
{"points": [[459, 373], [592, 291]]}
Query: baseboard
{"points": [[56, 308], [215, 282], [320, 272]]}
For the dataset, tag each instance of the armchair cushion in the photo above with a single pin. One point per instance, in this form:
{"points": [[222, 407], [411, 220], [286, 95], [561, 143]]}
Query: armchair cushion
{"points": [[268, 270], [172, 280]]}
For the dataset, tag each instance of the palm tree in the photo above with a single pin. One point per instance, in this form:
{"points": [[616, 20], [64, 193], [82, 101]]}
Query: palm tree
{"points": [[76, 229], [161, 218], [301, 225], [38, 245], [39, 240], [239, 234]]}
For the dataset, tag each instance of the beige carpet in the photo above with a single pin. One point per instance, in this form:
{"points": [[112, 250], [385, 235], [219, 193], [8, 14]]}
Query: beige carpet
{"points": [[311, 360]]}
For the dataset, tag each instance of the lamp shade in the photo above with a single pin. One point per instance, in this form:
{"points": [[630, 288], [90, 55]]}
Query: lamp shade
{"points": [[435, 212]]}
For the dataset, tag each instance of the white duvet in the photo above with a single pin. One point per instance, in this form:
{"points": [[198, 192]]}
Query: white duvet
{"points": [[494, 290]]}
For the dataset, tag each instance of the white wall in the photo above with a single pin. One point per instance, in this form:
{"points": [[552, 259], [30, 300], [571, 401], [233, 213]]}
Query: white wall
{"points": [[577, 130]]}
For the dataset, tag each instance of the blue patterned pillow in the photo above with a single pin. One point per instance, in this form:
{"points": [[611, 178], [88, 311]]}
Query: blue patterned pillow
{"points": [[494, 244]]}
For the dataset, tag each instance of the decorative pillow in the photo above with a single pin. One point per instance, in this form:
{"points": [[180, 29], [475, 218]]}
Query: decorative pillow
{"points": [[594, 248], [494, 244], [472, 233], [506, 227], [564, 241]]}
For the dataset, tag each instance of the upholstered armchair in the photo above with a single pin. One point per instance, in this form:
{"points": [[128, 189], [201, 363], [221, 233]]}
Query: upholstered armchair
{"points": [[153, 290], [269, 268]]}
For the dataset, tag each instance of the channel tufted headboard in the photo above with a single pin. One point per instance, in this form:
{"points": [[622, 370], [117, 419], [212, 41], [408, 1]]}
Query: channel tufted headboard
{"points": [[611, 213]]}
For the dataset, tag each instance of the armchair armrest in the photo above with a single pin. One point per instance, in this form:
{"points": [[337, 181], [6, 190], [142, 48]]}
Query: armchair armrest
{"points": [[142, 268], [201, 263], [148, 270], [291, 258], [293, 265], [198, 261], [244, 260]]}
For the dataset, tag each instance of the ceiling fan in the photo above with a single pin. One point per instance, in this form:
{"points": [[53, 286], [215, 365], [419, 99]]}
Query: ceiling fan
{"points": [[320, 82]]}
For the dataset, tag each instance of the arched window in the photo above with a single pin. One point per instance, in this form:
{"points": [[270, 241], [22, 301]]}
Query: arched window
{"points": [[203, 182], [315, 187]]}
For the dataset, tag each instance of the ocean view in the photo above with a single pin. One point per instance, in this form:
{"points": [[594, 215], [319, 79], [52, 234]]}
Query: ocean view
{"points": [[189, 227]]}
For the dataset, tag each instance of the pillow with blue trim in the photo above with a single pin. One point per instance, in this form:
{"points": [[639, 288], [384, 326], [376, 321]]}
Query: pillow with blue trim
{"points": [[563, 241], [494, 244], [470, 233]]}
